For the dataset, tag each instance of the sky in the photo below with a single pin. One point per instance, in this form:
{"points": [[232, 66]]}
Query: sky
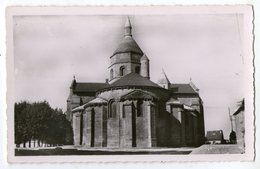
{"points": [[49, 50]]}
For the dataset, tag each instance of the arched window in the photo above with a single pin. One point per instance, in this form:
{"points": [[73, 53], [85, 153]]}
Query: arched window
{"points": [[112, 109], [111, 74], [137, 69], [122, 71], [139, 108]]}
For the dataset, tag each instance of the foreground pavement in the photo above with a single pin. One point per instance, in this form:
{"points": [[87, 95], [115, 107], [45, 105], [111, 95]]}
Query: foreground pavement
{"points": [[219, 149], [79, 150]]}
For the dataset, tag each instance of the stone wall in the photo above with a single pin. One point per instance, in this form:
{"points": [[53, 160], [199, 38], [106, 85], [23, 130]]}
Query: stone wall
{"points": [[129, 60], [143, 126], [126, 127], [152, 125], [195, 102], [76, 128], [113, 129], [73, 101], [240, 127], [95, 130]]}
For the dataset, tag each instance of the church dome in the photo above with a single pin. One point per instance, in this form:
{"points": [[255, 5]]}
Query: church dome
{"points": [[128, 44]]}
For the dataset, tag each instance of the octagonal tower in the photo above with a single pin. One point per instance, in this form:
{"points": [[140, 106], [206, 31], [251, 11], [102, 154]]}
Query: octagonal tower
{"points": [[127, 57]]}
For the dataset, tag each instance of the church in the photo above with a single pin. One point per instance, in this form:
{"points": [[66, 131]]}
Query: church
{"points": [[128, 110]]}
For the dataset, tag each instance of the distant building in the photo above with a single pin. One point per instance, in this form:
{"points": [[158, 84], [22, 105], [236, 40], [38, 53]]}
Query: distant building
{"points": [[215, 137], [129, 110], [240, 123]]}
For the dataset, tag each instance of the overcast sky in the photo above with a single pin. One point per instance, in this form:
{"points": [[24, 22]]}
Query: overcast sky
{"points": [[49, 50]]}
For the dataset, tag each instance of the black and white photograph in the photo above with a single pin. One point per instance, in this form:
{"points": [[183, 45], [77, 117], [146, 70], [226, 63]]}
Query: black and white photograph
{"points": [[124, 82]]}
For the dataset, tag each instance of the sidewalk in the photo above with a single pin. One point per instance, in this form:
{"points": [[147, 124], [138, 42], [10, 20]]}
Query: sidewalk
{"points": [[219, 149]]}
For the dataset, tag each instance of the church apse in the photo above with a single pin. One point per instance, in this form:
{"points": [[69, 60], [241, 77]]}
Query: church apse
{"points": [[130, 110]]}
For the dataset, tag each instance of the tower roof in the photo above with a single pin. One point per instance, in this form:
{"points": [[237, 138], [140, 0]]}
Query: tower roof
{"points": [[144, 57], [164, 79], [73, 83], [128, 44], [134, 79], [128, 23]]}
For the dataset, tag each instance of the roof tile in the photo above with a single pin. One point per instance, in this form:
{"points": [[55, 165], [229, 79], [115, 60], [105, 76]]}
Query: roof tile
{"points": [[182, 89], [89, 87], [134, 79], [128, 44]]}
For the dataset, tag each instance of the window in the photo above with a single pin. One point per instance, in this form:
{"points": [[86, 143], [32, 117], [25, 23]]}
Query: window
{"points": [[112, 110], [137, 69], [139, 108], [111, 74], [122, 71]]}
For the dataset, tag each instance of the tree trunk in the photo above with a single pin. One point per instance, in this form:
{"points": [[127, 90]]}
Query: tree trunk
{"points": [[24, 144], [30, 143]]}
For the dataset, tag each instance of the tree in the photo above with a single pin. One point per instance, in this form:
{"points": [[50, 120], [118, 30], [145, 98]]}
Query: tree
{"points": [[21, 131], [38, 121]]}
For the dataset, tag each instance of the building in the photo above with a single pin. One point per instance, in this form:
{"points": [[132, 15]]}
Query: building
{"points": [[129, 110], [240, 123], [215, 137]]}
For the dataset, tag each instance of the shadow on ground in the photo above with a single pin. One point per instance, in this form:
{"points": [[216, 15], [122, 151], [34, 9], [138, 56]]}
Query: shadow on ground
{"points": [[46, 152]]}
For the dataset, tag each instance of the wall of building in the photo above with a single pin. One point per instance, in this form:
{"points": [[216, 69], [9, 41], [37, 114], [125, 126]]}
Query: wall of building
{"points": [[158, 125], [126, 127], [129, 60], [143, 126], [95, 126], [195, 102], [76, 128], [74, 101], [240, 127]]}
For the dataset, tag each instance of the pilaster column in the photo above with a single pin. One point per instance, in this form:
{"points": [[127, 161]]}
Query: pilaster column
{"points": [[149, 118]]}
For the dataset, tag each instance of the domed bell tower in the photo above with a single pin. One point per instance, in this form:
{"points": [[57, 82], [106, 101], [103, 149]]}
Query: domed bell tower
{"points": [[128, 57]]}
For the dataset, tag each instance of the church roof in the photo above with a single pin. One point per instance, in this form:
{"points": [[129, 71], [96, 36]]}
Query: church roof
{"points": [[128, 44], [78, 109], [131, 79], [173, 101], [134, 79], [144, 57], [89, 87], [96, 101], [164, 79], [182, 89], [139, 94]]}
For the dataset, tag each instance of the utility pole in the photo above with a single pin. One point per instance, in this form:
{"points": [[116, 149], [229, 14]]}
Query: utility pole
{"points": [[232, 136], [230, 117]]}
